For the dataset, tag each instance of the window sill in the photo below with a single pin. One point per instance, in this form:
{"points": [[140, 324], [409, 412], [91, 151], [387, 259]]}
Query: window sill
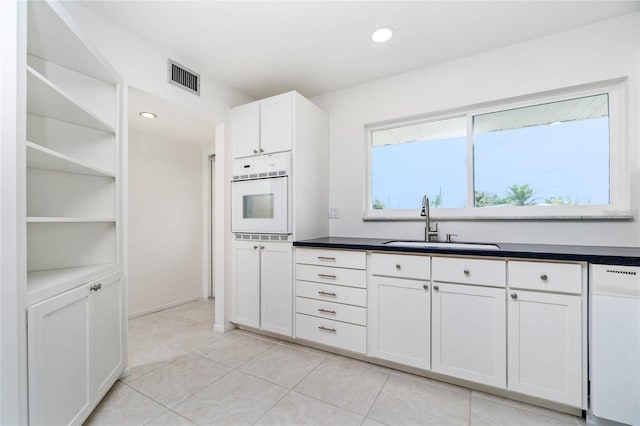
{"points": [[588, 213]]}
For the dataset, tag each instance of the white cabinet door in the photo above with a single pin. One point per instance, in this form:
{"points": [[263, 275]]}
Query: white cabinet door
{"points": [[276, 124], [276, 282], [399, 321], [469, 333], [246, 284], [245, 130], [545, 350], [59, 359], [107, 334]]}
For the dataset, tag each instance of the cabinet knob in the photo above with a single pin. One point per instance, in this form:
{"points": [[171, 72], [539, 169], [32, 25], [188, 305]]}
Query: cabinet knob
{"points": [[255, 151], [398, 266], [261, 247], [96, 287], [466, 272], [425, 286], [514, 296], [255, 247], [261, 150], [544, 277], [436, 288]]}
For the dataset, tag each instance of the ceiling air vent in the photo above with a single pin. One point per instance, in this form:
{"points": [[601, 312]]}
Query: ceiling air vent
{"points": [[183, 77]]}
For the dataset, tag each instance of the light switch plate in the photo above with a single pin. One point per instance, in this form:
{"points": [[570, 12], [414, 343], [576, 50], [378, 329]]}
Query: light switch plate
{"points": [[334, 213]]}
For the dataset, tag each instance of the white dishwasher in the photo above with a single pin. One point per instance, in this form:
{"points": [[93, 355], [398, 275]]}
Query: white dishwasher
{"points": [[614, 364]]}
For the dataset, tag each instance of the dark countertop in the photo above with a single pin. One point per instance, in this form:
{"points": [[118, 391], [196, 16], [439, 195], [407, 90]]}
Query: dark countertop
{"points": [[629, 256]]}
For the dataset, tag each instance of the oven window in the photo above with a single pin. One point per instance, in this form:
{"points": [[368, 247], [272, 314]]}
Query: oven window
{"points": [[257, 206]]}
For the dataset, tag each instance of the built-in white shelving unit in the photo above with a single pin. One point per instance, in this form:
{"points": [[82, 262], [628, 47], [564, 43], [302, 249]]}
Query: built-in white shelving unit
{"points": [[75, 284], [73, 154]]}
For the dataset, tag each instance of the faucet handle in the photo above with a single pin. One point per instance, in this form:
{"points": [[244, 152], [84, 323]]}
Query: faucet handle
{"points": [[449, 237]]}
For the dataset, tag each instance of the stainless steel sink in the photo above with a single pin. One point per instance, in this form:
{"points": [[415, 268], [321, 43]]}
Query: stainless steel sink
{"points": [[443, 245]]}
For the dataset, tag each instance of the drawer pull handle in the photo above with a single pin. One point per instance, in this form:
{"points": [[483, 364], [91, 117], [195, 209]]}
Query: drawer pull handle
{"points": [[96, 287], [398, 266], [326, 311], [466, 272], [330, 259], [425, 286], [326, 293], [544, 277], [436, 288], [327, 276], [514, 296], [330, 330]]}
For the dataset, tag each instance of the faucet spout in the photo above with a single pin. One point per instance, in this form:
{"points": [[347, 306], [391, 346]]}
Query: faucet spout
{"points": [[428, 230]]}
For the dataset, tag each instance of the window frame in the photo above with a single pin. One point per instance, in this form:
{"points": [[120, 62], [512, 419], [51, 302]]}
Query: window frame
{"points": [[619, 181]]}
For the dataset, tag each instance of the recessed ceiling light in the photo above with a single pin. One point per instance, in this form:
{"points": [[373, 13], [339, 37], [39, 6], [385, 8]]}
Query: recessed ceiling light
{"points": [[148, 115], [382, 34]]}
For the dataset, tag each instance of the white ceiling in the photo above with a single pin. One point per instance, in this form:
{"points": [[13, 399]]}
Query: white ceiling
{"points": [[172, 123], [264, 48]]}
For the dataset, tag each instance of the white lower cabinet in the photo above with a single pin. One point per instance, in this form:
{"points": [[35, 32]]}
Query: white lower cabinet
{"points": [[75, 351], [400, 321], [331, 298], [262, 290], [545, 346], [469, 333]]}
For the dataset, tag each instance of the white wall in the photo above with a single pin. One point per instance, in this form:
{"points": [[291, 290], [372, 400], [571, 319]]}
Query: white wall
{"points": [[602, 51], [165, 222]]}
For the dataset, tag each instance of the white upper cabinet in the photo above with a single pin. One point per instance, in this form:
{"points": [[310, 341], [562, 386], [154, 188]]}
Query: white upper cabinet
{"points": [[245, 128], [276, 124], [263, 127]]}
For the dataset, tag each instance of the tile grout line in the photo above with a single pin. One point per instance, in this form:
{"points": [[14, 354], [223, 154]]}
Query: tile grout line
{"points": [[320, 400], [273, 406], [377, 395]]}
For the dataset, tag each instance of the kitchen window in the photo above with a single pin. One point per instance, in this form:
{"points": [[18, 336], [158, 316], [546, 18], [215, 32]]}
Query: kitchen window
{"points": [[559, 156]]}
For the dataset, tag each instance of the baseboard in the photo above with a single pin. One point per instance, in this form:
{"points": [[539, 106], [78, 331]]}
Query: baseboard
{"points": [[163, 307], [225, 328]]}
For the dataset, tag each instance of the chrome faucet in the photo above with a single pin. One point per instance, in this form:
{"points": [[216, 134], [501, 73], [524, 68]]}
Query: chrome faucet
{"points": [[428, 232]]}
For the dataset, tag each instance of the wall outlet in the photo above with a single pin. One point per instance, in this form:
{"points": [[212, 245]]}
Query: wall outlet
{"points": [[334, 213]]}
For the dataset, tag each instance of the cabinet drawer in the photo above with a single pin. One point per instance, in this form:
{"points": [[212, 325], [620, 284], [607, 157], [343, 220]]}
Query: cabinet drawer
{"points": [[469, 271], [331, 310], [332, 293], [338, 258], [555, 277], [333, 333], [329, 275], [401, 266]]}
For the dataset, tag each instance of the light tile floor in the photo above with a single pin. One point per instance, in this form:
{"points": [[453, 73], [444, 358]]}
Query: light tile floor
{"points": [[183, 373]]}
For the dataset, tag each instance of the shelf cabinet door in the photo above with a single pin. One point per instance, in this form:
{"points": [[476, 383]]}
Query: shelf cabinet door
{"points": [[59, 333], [108, 334], [469, 333], [245, 130], [399, 321], [545, 349], [276, 124], [246, 284], [276, 288]]}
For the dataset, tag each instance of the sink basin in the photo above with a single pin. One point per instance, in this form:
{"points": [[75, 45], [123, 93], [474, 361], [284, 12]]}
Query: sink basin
{"points": [[443, 245]]}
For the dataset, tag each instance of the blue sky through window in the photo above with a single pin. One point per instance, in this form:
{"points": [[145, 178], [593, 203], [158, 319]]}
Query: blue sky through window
{"points": [[569, 160]]}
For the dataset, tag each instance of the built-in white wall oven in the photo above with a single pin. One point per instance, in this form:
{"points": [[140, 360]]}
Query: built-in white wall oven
{"points": [[260, 195]]}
